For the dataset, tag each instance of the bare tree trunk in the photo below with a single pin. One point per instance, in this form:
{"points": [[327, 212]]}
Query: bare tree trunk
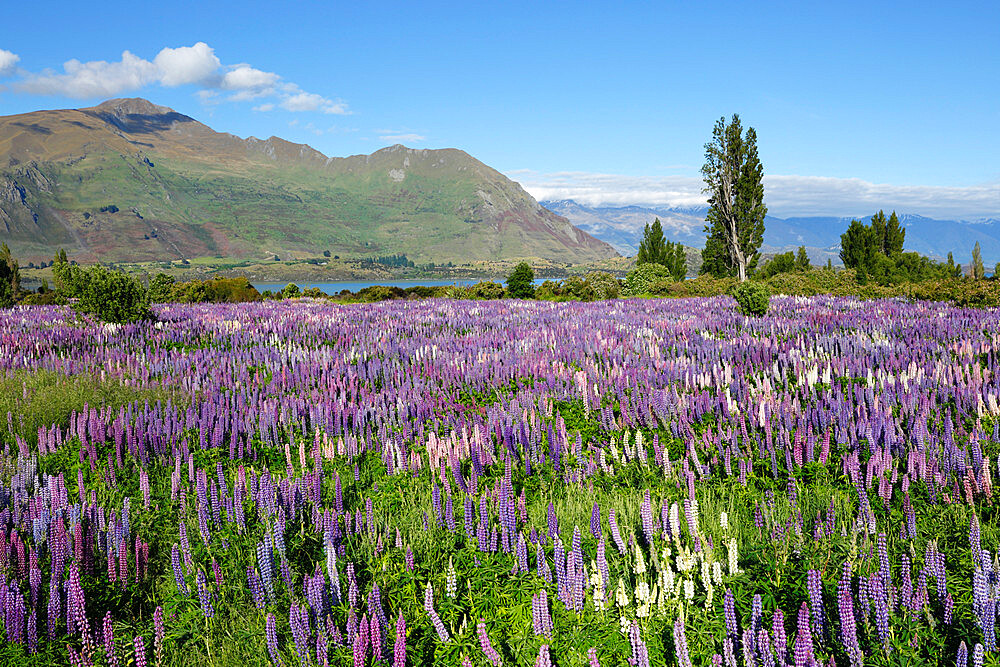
{"points": [[731, 225]]}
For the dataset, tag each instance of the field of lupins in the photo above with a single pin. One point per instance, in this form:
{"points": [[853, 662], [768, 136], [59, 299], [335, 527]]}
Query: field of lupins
{"points": [[436, 482]]}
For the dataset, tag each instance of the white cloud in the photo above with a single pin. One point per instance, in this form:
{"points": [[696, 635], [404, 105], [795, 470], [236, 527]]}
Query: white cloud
{"points": [[786, 196], [97, 78], [405, 138], [185, 65], [8, 62], [249, 80]]}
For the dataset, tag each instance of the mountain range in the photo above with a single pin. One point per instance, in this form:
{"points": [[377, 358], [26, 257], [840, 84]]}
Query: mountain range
{"points": [[622, 227], [129, 180]]}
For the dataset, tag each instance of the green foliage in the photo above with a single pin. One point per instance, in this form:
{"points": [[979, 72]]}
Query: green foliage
{"points": [[485, 289], [652, 247], [6, 293], [520, 282], [753, 298], [604, 285], [783, 263], [978, 270], [161, 287], [802, 260], [734, 181], [109, 295], [215, 290], [578, 288], [13, 271], [641, 278], [291, 291]]}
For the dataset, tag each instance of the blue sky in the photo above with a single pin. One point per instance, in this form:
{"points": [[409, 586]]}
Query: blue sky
{"points": [[856, 106]]}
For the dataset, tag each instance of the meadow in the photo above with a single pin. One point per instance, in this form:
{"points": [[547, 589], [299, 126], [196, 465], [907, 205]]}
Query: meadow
{"points": [[447, 482]]}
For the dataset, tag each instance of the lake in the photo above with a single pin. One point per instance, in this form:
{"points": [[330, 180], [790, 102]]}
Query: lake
{"points": [[355, 285]]}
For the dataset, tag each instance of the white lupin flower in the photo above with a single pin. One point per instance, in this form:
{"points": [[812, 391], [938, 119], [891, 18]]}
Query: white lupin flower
{"points": [[733, 557], [621, 595], [688, 590], [675, 521], [640, 561], [724, 520], [716, 573]]}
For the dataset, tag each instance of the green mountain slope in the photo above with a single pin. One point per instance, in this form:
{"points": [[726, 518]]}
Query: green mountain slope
{"points": [[131, 181]]}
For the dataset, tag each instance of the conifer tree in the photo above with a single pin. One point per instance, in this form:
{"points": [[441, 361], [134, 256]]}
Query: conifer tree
{"points": [[734, 182], [652, 248]]}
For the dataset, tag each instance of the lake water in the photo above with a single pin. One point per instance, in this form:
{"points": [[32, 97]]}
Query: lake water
{"points": [[354, 286]]}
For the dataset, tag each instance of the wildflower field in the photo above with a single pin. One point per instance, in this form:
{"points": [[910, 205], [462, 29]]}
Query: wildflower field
{"points": [[439, 482]]}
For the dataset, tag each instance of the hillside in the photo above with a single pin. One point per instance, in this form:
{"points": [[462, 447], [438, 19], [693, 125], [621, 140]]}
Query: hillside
{"points": [[132, 181], [622, 226]]}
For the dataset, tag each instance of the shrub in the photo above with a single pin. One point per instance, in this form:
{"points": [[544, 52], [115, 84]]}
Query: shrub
{"points": [[291, 291], [486, 289], [375, 293], [160, 288], [578, 288], [605, 285], [313, 293], [113, 296], [548, 290], [752, 298], [520, 282], [216, 290], [639, 280]]}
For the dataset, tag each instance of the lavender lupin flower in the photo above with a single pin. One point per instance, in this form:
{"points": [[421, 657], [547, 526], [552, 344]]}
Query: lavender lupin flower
{"points": [[592, 657], [140, 652], [543, 659], [158, 634], [484, 643], [804, 656], [977, 655], [109, 641], [640, 653], [680, 644], [272, 639], [814, 584], [962, 659], [399, 649]]}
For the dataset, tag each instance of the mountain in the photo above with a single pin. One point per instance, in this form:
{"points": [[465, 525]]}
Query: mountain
{"points": [[622, 227], [129, 180]]}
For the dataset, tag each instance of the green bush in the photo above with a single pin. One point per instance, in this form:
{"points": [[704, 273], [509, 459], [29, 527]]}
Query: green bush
{"points": [[604, 285], [520, 282], [313, 293], [578, 288], [216, 290], [752, 297], [486, 289], [641, 278], [291, 291], [160, 288], [112, 296]]}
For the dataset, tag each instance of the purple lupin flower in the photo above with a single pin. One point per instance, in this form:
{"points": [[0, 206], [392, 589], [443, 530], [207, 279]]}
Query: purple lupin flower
{"points": [[158, 633], [204, 596], [592, 657], [814, 584], [140, 652], [175, 561], [542, 564], [484, 643], [640, 653], [272, 639], [435, 619], [680, 645], [729, 611], [399, 650], [848, 628], [543, 659], [360, 648], [595, 522], [977, 655], [962, 659], [804, 656]]}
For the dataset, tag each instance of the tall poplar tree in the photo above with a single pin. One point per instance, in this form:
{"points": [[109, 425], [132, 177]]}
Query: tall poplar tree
{"points": [[734, 182], [978, 270]]}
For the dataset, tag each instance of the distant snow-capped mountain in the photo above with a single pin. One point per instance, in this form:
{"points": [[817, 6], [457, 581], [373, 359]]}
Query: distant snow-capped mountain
{"points": [[622, 227]]}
